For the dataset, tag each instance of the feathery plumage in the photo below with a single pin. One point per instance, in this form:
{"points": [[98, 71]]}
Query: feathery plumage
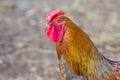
{"points": [[79, 58]]}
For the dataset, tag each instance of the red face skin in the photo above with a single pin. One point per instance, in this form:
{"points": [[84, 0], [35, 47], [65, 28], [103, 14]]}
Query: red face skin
{"points": [[57, 27]]}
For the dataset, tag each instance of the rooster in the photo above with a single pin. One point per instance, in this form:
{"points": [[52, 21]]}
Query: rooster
{"points": [[78, 56]]}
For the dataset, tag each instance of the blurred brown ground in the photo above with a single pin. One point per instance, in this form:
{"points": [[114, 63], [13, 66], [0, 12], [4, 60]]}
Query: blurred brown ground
{"points": [[25, 51]]}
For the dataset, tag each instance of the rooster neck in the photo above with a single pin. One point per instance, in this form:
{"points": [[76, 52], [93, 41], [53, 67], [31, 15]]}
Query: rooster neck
{"points": [[90, 66], [82, 56]]}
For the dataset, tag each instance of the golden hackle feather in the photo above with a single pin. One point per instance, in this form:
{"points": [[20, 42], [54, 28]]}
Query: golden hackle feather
{"points": [[82, 56]]}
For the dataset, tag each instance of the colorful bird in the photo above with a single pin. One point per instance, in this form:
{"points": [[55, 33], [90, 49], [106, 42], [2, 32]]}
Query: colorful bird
{"points": [[78, 56]]}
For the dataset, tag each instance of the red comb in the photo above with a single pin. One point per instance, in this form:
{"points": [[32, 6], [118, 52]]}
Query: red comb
{"points": [[55, 13]]}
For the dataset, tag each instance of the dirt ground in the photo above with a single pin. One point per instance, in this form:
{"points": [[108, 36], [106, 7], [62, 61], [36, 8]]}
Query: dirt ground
{"points": [[25, 51]]}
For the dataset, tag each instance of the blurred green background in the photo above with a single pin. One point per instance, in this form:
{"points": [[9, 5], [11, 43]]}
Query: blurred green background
{"points": [[25, 51]]}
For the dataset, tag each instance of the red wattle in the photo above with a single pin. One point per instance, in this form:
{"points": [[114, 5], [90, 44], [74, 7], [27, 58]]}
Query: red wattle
{"points": [[54, 34]]}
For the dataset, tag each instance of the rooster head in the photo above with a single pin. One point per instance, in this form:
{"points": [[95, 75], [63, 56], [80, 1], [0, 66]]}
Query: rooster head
{"points": [[56, 26]]}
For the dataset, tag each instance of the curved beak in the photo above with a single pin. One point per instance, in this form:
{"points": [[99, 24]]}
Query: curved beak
{"points": [[49, 24]]}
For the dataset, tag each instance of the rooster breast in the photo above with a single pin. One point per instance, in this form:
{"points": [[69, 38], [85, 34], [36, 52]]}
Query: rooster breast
{"points": [[66, 72]]}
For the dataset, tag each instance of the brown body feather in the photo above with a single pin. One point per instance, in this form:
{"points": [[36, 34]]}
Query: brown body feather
{"points": [[82, 56]]}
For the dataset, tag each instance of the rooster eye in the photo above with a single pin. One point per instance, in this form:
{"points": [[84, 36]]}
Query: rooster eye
{"points": [[59, 20]]}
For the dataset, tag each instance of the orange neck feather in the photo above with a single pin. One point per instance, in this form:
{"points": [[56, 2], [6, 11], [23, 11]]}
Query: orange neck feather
{"points": [[81, 54]]}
